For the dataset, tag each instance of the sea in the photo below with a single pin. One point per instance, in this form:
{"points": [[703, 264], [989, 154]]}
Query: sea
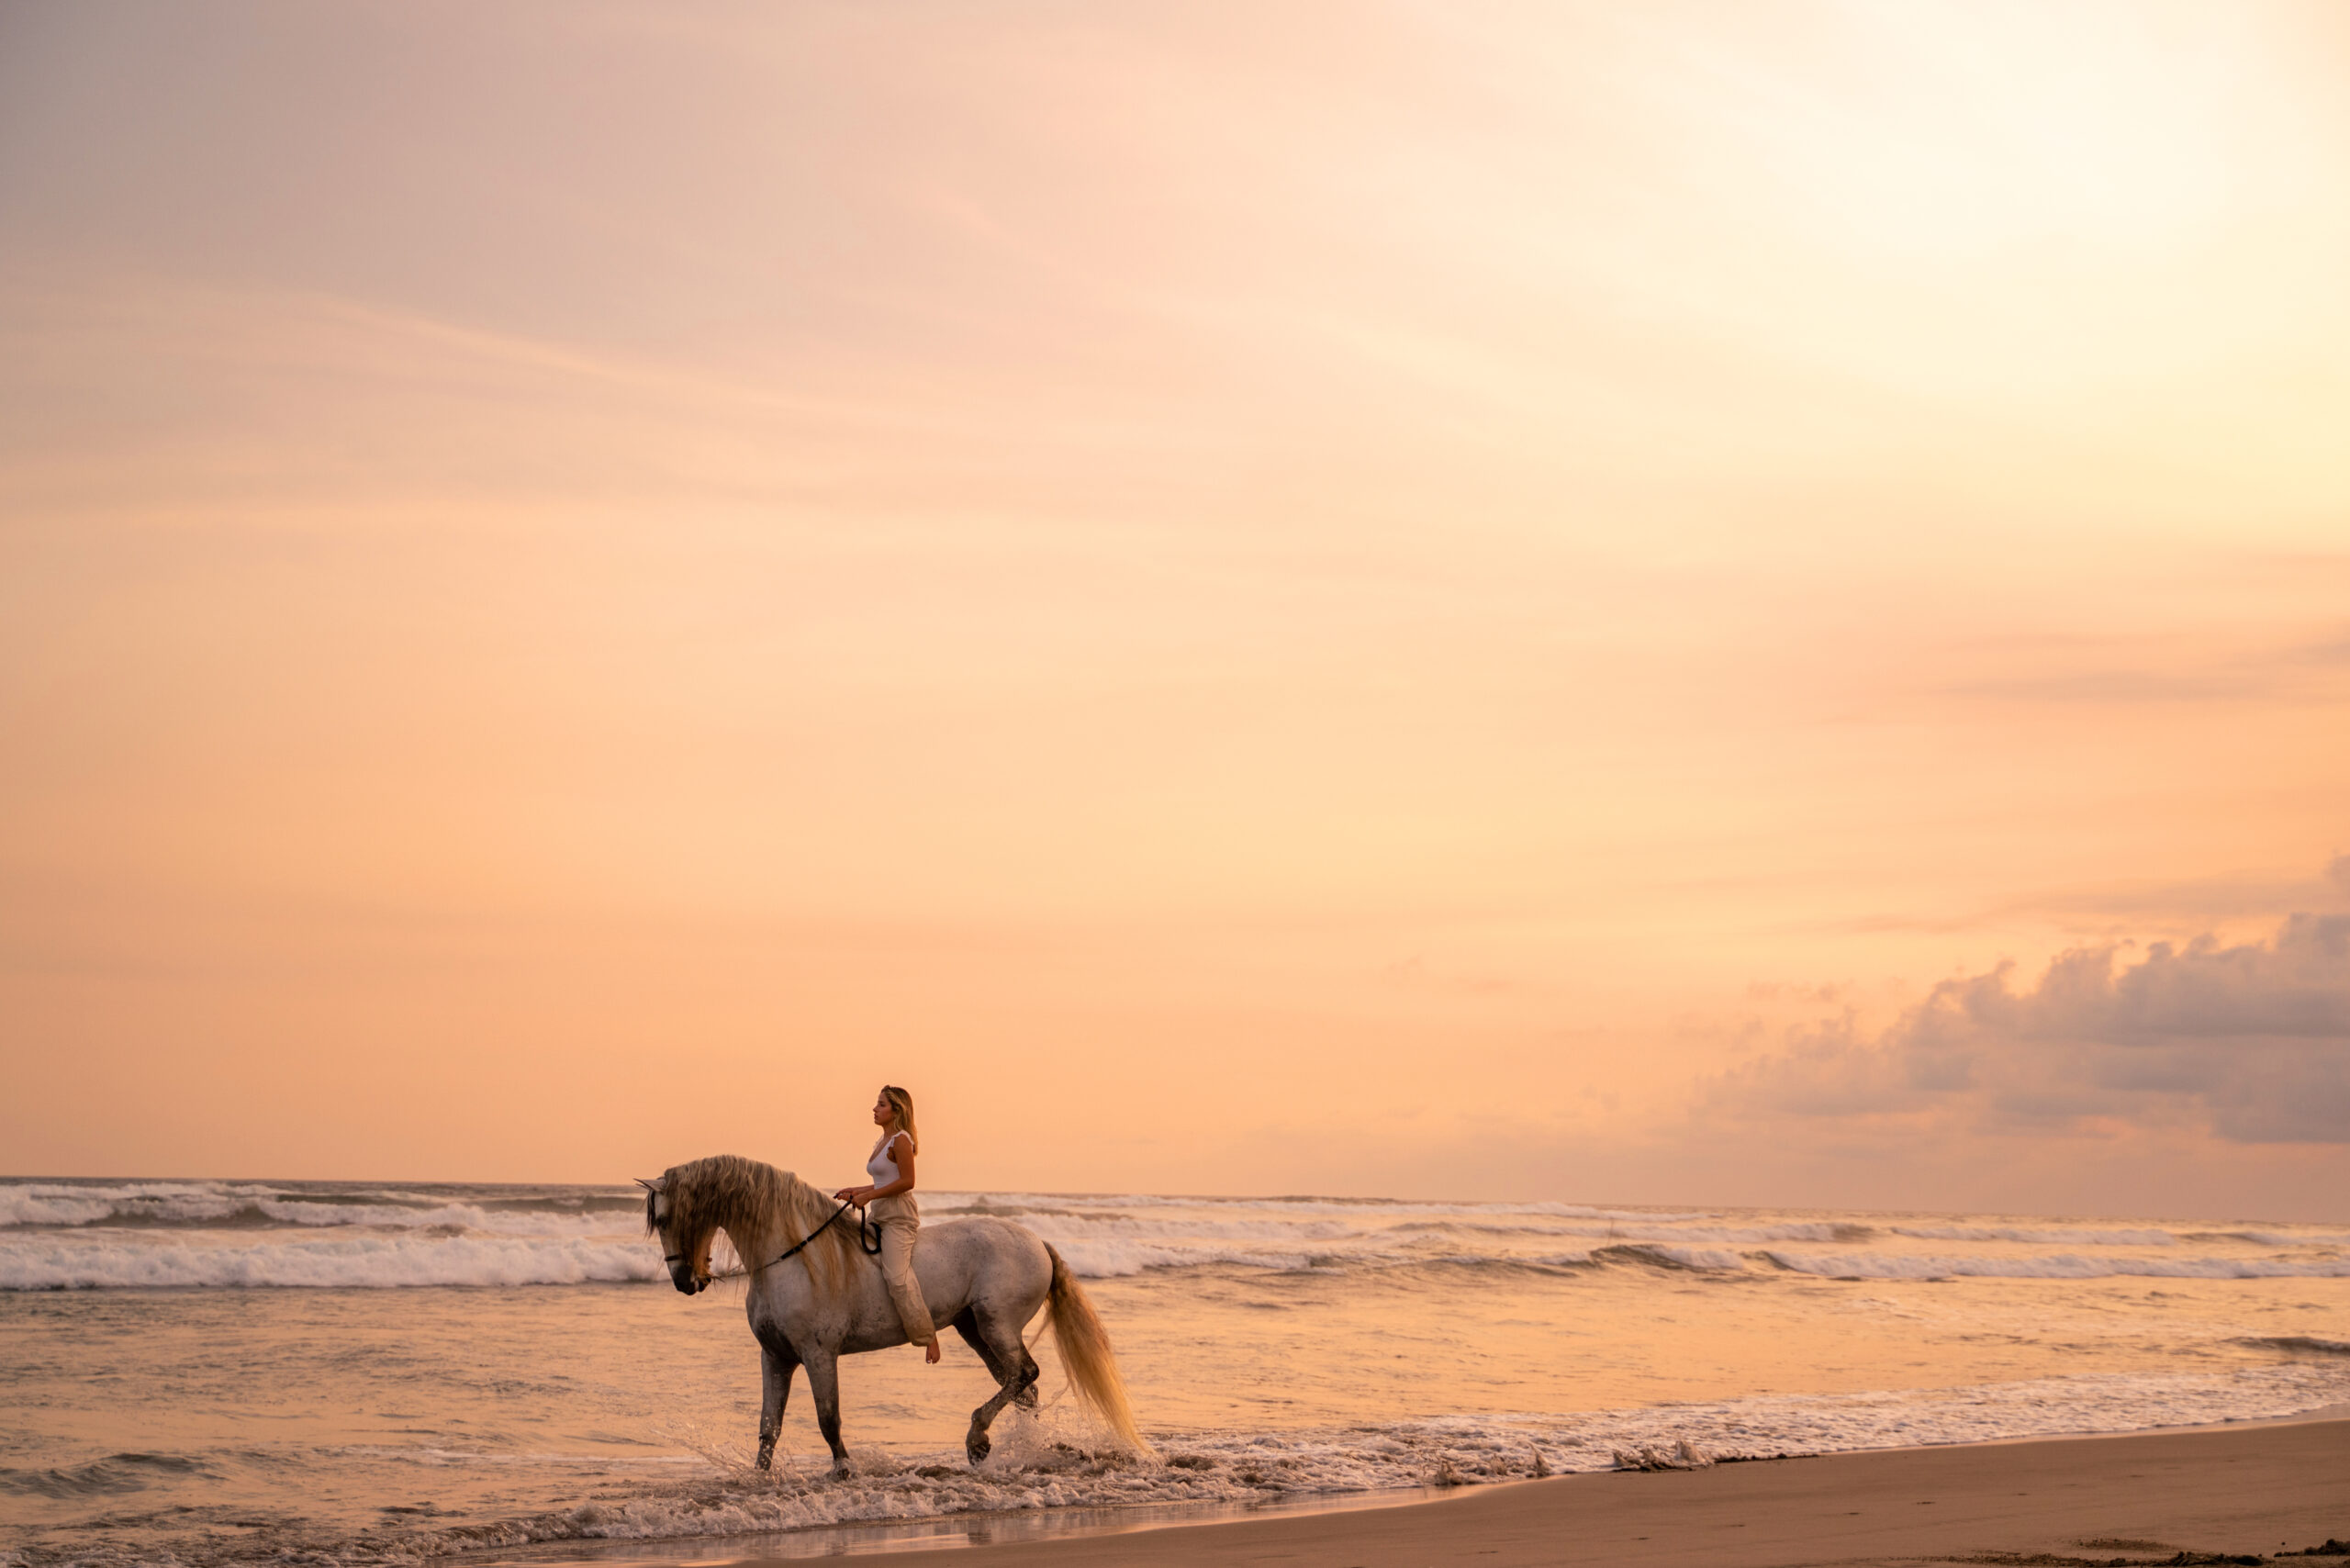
{"points": [[218, 1371]]}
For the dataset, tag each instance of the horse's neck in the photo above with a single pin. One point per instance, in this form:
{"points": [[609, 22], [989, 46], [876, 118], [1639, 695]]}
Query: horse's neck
{"points": [[753, 1223], [791, 1207]]}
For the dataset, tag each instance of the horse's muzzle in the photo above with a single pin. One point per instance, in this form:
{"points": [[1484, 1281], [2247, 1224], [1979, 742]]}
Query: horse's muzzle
{"points": [[687, 1280]]}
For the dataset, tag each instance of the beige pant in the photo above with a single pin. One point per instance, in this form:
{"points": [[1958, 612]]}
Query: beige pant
{"points": [[899, 1221]]}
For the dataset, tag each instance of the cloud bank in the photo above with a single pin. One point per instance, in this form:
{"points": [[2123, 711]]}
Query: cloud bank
{"points": [[2250, 1042]]}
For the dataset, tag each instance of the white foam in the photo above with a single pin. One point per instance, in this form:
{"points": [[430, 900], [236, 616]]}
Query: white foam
{"points": [[454, 1231], [2038, 1236], [1365, 1238], [2055, 1266], [1029, 1471], [1102, 1260], [325, 1261], [2293, 1237], [199, 1204], [1056, 1228], [52, 1204], [1739, 1233], [532, 1222], [1364, 1210]]}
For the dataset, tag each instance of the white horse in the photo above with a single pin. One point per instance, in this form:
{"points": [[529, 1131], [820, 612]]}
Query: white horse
{"points": [[815, 1296]]}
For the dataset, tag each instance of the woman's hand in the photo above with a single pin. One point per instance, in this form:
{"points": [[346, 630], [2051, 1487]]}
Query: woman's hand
{"points": [[857, 1195]]}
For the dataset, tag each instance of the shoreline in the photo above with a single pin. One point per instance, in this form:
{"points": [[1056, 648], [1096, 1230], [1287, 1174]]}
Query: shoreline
{"points": [[2322, 1412], [2142, 1497], [2132, 1497]]}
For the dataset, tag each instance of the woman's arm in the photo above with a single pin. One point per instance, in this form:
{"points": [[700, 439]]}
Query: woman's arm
{"points": [[904, 1183]]}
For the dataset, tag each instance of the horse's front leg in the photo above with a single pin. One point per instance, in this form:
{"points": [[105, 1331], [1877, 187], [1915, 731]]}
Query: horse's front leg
{"points": [[777, 1365], [824, 1382]]}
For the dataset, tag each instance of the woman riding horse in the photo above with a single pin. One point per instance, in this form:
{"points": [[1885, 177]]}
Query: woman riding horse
{"points": [[815, 1296], [890, 1200]]}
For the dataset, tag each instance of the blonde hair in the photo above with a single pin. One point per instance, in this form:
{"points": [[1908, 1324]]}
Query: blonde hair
{"points": [[903, 1104]]}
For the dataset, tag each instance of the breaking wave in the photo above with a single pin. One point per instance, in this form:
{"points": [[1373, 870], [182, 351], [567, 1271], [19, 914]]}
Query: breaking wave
{"points": [[214, 1205], [2060, 1266], [2309, 1342], [91, 1235], [2039, 1235], [343, 1262]]}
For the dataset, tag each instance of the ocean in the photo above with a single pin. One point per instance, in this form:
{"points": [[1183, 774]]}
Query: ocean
{"points": [[211, 1372]]}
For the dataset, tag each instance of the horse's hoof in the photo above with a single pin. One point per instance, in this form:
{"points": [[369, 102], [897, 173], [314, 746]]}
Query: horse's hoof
{"points": [[767, 1456], [977, 1446], [839, 1470]]}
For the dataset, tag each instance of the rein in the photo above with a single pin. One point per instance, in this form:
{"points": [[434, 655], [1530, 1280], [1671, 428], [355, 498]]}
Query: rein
{"points": [[864, 1227]]}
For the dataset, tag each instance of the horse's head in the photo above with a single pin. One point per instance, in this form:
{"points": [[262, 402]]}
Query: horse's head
{"points": [[684, 1240]]}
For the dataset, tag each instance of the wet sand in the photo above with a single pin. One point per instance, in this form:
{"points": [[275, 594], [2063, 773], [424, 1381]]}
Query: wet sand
{"points": [[2253, 1491]]}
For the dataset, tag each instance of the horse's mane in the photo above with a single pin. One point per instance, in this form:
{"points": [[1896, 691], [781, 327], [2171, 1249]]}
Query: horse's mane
{"points": [[763, 1211]]}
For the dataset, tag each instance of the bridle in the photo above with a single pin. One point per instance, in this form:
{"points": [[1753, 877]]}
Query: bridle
{"points": [[869, 1241]]}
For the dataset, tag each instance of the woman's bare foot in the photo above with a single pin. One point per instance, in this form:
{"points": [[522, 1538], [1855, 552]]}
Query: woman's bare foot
{"points": [[929, 1352]]}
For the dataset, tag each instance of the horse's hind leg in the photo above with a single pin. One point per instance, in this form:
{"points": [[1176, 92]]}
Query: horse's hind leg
{"points": [[1025, 1394], [1005, 1354], [967, 1324]]}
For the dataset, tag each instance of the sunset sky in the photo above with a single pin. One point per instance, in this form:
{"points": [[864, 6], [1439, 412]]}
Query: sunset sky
{"points": [[1676, 602]]}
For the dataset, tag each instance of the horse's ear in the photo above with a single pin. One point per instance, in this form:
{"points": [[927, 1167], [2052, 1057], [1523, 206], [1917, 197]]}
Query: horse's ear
{"points": [[653, 1186]]}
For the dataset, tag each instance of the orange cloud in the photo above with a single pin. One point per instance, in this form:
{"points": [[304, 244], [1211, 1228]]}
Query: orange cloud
{"points": [[2251, 1040]]}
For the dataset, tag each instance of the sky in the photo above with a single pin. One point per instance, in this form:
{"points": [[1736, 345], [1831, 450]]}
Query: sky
{"points": [[1710, 603]]}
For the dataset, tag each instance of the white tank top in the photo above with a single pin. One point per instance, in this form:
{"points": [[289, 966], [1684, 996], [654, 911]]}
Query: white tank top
{"points": [[882, 1167]]}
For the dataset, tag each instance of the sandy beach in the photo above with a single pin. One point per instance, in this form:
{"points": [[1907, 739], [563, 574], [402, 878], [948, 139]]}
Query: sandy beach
{"points": [[2142, 1499]]}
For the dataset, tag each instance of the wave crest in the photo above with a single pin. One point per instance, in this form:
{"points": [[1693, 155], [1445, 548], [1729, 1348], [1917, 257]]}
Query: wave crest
{"points": [[329, 1262], [2060, 1266]]}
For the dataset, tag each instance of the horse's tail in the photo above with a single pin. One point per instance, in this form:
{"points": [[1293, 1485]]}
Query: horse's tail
{"points": [[1092, 1365]]}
